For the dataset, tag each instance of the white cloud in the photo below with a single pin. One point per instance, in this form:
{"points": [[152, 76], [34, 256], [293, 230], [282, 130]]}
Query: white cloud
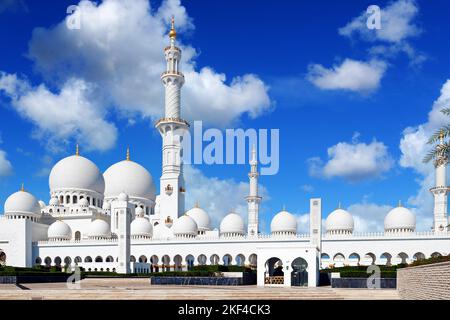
{"points": [[58, 117], [413, 146], [6, 168], [307, 188], [120, 48], [397, 23], [217, 196], [351, 75], [355, 161], [368, 217]]}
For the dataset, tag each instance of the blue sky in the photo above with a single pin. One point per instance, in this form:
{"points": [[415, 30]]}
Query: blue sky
{"points": [[341, 95]]}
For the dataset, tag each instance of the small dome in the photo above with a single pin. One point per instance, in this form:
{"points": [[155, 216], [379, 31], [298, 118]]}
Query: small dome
{"points": [[400, 219], [339, 221], [106, 205], [232, 224], [141, 227], [160, 231], [42, 204], [129, 177], [200, 217], [139, 212], [185, 226], [59, 230], [83, 202], [123, 197], [99, 229], [54, 201], [22, 202], [76, 172], [283, 222]]}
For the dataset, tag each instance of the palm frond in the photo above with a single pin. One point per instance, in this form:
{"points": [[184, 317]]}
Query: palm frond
{"points": [[438, 151], [437, 134], [446, 111]]}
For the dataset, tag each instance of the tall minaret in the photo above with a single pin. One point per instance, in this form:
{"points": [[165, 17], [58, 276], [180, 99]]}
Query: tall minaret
{"points": [[253, 199], [441, 190], [172, 128]]}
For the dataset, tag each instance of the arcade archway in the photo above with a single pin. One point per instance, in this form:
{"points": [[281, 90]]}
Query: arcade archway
{"points": [[274, 273]]}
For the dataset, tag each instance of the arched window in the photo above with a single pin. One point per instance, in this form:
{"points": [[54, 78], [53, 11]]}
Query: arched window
{"points": [[67, 261], [61, 199], [201, 259], [240, 259], [88, 259], [109, 259], [190, 261], [132, 259], [227, 259], [38, 261], [98, 259], [67, 199], [143, 259], [58, 261], [214, 259], [94, 202], [74, 199], [77, 236], [48, 261], [77, 260]]}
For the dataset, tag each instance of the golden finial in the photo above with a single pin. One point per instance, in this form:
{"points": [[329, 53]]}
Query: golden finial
{"points": [[441, 135], [173, 33], [77, 150], [128, 153], [22, 187]]}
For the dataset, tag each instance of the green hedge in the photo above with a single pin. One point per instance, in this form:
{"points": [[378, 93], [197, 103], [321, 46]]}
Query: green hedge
{"points": [[429, 261], [35, 271]]}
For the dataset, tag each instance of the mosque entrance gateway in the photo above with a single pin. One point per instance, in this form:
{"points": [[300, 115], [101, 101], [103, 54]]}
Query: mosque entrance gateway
{"points": [[274, 273], [299, 274]]}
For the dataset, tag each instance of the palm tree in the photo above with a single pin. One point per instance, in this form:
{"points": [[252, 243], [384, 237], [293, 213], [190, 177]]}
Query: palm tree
{"points": [[441, 150]]}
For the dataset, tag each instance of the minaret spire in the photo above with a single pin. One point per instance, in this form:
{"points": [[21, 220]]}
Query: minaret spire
{"points": [[172, 128], [253, 199], [22, 188], [128, 154], [77, 150], [440, 191]]}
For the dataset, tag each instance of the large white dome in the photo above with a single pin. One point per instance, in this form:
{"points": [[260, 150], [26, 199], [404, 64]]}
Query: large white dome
{"points": [[283, 222], [339, 221], [129, 177], [141, 227], [76, 172], [185, 226], [232, 224], [59, 230], [99, 229], [22, 202], [400, 219], [200, 217]]}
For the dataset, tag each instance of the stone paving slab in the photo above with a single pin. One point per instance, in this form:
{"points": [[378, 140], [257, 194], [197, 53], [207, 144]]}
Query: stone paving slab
{"points": [[140, 289]]}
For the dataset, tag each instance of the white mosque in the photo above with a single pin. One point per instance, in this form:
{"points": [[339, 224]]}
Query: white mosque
{"points": [[115, 221]]}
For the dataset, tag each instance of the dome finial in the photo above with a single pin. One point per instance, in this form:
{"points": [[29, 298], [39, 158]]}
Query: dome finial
{"points": [[339, 205], [284, 207], [441, 136], [400, 203], [77, 150], [172, 33], [128, 154], [22, 187]]}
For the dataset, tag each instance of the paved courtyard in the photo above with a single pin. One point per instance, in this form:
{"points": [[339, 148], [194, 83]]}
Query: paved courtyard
{"points": [[140, 289]]}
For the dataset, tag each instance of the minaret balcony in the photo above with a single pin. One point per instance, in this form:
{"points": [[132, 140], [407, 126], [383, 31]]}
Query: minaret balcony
{"points": [[172, 73], [172, 121]]}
